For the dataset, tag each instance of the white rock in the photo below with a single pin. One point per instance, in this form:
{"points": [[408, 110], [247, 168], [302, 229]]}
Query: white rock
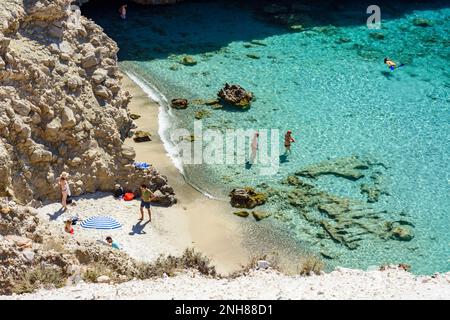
{"points": [[103, 279], [28, 255], [263, 264]]}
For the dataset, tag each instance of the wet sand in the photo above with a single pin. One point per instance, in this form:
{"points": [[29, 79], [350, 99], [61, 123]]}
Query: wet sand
{"points": [[207, 225]]}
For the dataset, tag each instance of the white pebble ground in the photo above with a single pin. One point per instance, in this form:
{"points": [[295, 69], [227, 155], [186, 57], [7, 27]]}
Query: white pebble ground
{"points": [[339, 284]]}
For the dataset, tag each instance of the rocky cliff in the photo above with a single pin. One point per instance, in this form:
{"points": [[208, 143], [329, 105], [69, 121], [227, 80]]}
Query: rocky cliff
{"points": [[61, 105]]}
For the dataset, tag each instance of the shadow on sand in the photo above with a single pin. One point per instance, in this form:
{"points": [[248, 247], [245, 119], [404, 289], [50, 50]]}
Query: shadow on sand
{"points": [[138, 228]]}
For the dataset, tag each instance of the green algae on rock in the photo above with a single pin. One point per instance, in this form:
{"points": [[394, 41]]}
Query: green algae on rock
{"points": [[242, 214], [344, 220], [202, 114], [188, 61]]}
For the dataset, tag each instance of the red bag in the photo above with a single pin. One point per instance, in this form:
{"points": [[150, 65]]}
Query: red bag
{"points": [[128, 196]]}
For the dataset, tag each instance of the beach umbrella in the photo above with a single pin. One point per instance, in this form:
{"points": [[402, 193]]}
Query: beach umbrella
{"points": [[100, 223]]}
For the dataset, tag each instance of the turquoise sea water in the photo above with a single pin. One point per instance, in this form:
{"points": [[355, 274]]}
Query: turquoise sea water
{"points": [[327, 84]]}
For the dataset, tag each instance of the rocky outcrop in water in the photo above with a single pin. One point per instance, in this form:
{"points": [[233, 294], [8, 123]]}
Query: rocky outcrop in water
{"points": [[247, 198], [346, 221], [351, 168], [236, 95], [61, 104], [179, 103]]}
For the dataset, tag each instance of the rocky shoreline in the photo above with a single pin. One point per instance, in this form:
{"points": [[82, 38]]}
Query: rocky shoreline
{"points": [[62, 106], [61, 109]]}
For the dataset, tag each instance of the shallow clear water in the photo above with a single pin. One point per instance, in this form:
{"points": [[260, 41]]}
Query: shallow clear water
{"points": [[330, 87]]}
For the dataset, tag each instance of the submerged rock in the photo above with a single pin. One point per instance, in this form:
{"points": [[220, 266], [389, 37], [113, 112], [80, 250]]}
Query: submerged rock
{"points": [[179, 103], [134, 116], [297, 27], [260, 215], [344, 220], [242, 214], [202, 114], [247, 198], [376, 35], [236, 95], [188, 61], [253, 56], [422, 22], [402, 234], [351, 168]]}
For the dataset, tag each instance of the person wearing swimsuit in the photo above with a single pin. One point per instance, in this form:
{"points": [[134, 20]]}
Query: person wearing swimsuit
{"points": [[287, 142], [391, 64], [65, 190]]}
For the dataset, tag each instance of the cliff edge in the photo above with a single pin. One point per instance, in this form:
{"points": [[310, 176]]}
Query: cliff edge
{"points": [[61, 105]]}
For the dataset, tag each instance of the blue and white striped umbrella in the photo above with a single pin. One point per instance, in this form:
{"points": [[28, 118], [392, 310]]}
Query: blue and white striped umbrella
{"points": [[100, 222]]}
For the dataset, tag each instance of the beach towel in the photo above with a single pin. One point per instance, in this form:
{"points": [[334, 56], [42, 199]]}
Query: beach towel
{"points": [[141, 165]]}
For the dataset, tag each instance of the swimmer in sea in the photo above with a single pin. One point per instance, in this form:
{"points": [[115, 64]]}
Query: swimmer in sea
{"points": [[391, 64], [123, 11]]}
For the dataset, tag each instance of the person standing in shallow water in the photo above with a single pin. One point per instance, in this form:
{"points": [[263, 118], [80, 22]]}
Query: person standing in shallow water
{"points": [[123, 11], [288, 139], [254, 147]]}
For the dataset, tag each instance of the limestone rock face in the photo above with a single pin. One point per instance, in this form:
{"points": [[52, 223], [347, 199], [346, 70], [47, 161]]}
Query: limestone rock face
{"points": [[61, 105]]}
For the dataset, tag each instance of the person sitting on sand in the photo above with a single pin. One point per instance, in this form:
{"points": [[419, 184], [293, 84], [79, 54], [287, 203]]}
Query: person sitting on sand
{"points": [[287, 141], [118, 191], [112, 243], [123, 11], [65, 190], [146, 198], [68, 226]]}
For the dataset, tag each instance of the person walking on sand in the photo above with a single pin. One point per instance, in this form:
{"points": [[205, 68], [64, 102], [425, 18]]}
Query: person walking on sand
{"points": [[65, 190], [123, 11], [254, 147], [287, 141], [146, 198]]}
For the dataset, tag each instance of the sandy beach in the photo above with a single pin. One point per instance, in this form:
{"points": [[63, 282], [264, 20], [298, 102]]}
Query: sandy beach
{"points": [[207, 224], [195, 221]]}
